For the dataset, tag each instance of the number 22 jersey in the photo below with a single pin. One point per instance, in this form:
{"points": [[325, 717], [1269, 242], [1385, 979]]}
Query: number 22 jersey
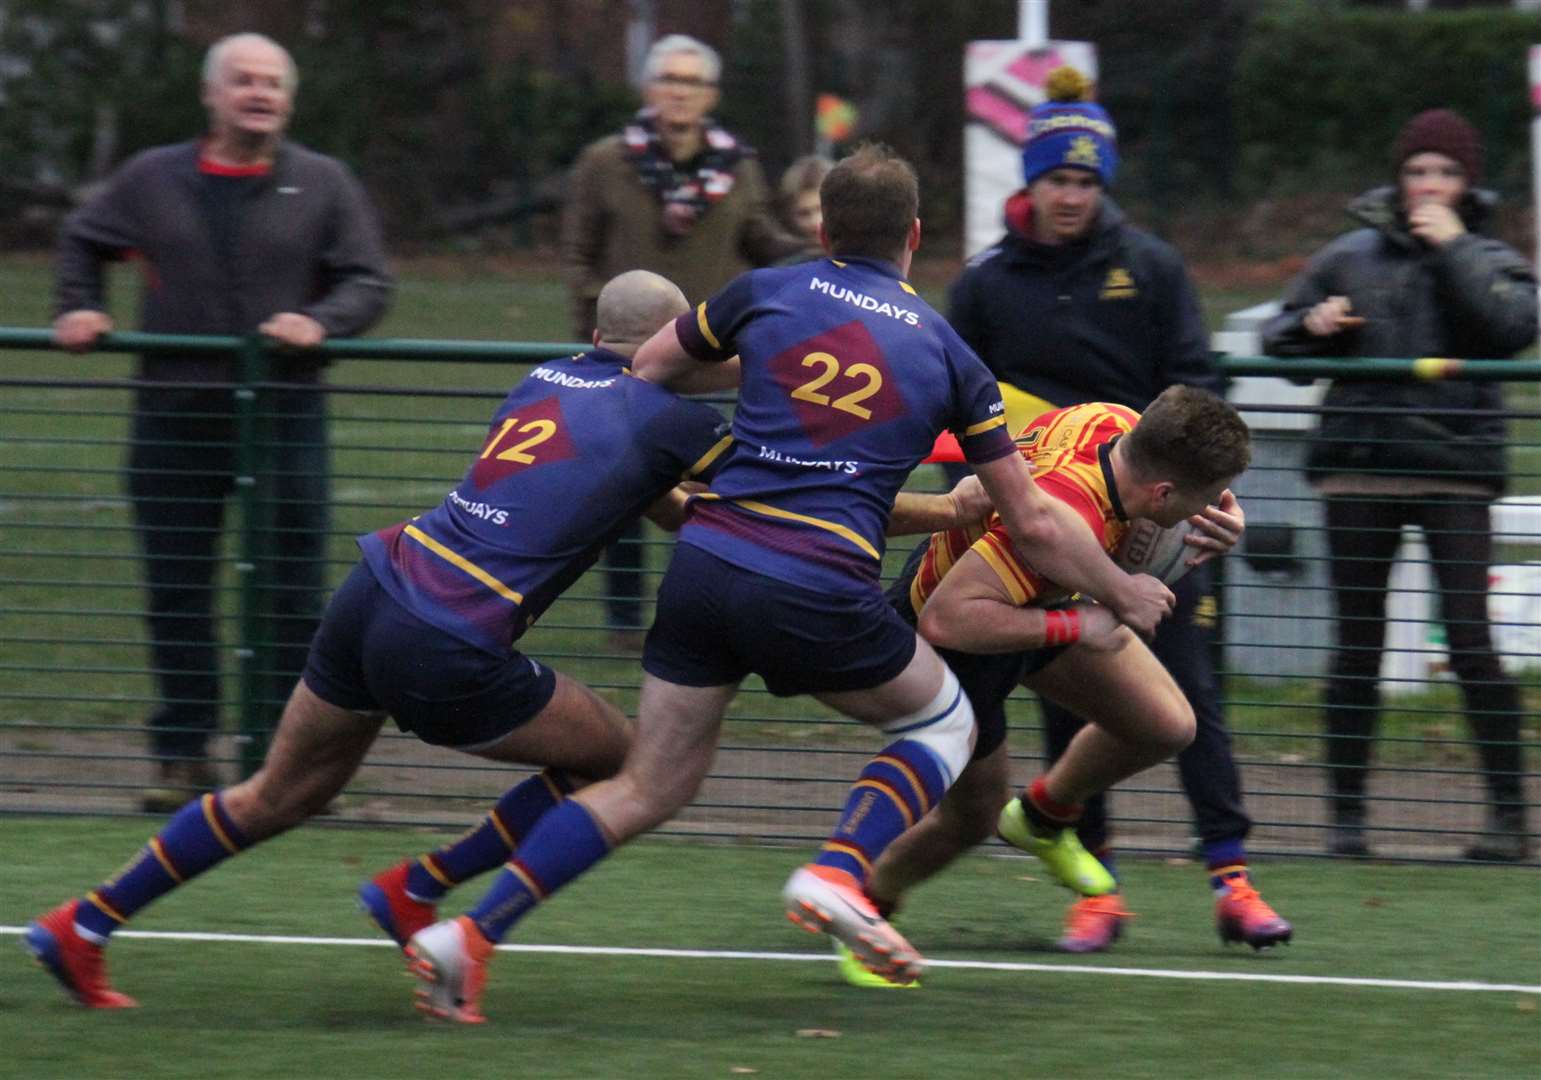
{"points": [[847, 378]]}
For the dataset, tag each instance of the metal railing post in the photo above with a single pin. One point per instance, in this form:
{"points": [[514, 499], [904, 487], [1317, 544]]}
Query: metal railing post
{"points": [[253, 482]]}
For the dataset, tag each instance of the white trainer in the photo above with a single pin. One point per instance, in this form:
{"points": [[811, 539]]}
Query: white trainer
{"points": [[824, 900], [450, 959]]}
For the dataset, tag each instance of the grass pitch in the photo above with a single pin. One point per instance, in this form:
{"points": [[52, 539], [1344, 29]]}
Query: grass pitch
{"points": [[1169, 1001]]}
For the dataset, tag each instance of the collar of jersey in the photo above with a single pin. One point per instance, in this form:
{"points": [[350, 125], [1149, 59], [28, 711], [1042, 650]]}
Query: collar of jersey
{"points": [[882, 266], [1105, 459]]}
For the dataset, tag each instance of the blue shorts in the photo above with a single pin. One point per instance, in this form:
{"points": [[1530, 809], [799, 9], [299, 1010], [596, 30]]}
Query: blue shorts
{"points": [[717, 622], [373, 655], [987, 678]]}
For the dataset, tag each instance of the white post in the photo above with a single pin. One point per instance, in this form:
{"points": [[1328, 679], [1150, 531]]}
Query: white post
{"points": [[1535, 138], [641, 29], [1033, 22]]}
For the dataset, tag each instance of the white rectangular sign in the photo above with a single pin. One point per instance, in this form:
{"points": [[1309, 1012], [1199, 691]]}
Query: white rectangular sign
{"points": [[1002, 81]]}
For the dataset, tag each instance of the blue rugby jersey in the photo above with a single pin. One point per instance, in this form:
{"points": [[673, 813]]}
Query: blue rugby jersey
{"points": [[848, 377], [576, 451]]}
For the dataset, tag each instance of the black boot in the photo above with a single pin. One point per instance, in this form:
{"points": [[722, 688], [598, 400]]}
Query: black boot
{"points": [[1347, 839], [178, 781], [1505, 840]]}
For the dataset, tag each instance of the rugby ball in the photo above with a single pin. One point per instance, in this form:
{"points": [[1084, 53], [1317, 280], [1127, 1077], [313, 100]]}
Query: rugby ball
{"points": [[1147, 548]]}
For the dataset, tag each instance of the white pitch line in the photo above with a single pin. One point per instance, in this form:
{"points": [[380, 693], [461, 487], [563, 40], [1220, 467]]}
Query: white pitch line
{"points": [[824, 958]]}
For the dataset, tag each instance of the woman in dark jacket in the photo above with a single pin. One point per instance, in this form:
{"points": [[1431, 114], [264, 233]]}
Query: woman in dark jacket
{"points": [[1418, 280]]}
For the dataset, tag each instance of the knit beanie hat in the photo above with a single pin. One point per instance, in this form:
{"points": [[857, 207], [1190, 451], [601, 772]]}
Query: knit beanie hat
{"points": [[1440, 131], [1069, 129]]}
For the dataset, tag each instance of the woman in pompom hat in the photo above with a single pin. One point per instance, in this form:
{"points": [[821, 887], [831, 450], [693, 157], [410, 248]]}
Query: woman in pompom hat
{"points": [[1075, 305], [1418, 279]]}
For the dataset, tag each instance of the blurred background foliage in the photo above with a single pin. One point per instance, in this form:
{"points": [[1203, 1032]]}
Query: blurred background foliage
{"points": [[461, 116]]}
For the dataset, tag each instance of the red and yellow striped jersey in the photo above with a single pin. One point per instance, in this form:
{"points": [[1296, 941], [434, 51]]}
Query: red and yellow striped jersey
{"points": [[1068, 450]]}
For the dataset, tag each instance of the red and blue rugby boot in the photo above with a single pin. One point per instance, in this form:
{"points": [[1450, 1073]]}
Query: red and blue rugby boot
{"points": [[384, 898], [78, 964]]}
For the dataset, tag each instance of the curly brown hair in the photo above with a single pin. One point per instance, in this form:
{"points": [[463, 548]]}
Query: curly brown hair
{"points": [[1191, 437]]}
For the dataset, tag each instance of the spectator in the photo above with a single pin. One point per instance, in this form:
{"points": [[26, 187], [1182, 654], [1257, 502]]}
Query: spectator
{"points": [[1074, 305], [1418, 279], [676, 194], [238, 232], [797, 196]]}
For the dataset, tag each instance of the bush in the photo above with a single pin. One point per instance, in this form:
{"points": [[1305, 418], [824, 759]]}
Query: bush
{"points": [[1321, 90]]}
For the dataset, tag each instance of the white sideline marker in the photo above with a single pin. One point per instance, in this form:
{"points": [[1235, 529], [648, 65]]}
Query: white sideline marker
{"points": [[826, 958]]}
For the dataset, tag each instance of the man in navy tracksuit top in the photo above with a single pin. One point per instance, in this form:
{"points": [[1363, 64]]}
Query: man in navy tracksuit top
{"points": [[1075, 305], [239, 232]]}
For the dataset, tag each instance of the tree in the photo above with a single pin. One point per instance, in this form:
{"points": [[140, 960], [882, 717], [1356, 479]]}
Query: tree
{"points": [[82, 79]]}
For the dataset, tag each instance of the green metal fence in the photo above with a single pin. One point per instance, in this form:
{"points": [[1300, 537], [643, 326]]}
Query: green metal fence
{"points": [[76, 686]]}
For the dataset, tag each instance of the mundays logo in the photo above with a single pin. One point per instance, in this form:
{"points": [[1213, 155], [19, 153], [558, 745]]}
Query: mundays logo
{"points": [[863, 301]]}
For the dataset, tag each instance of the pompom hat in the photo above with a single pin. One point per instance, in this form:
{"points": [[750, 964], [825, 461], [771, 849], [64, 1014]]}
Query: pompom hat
{"points": [[1069, 130], [1440, 131]]}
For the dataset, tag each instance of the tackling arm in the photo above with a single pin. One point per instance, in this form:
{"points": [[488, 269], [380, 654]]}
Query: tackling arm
{"points": [[663, 360], [971, 611], [915, 512], [1063, 548], [708, 378], [669, 511]]}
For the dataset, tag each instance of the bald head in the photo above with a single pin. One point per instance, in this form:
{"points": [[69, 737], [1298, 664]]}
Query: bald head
{"points": [[632, 306]]}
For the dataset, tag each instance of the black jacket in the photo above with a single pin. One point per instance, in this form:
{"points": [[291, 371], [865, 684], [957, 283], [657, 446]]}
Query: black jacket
{"points": [[1111, 318], [306, 240], [1474, 298]]}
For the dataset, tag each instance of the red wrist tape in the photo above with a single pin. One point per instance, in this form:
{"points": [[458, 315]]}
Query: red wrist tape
{"points": [[1062, 627]]}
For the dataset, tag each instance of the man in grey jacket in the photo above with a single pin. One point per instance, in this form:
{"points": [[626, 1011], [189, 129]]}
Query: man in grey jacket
{"points": [[239, 232], [1417, 280]]}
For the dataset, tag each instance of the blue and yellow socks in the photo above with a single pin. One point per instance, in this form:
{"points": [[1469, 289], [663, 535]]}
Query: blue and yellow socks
{"points": [[894, 791], [1227, 861], [489, 844], [198, 836], [564, 843]]}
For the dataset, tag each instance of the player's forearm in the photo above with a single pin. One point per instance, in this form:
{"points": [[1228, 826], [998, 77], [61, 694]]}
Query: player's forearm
{"points": [[708, 378], [1063, 549], [669, 511], [1049, 534], [663, 360], [915, 512], [984, 626]]}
